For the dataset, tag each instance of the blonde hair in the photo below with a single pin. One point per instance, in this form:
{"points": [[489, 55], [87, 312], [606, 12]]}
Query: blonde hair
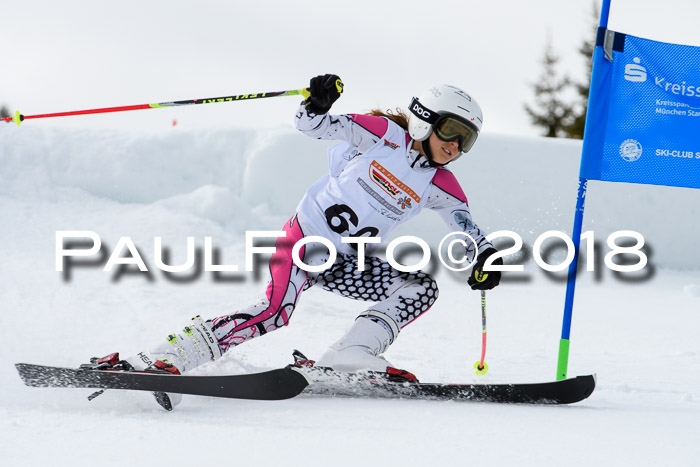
{"points": [[400, 117]]}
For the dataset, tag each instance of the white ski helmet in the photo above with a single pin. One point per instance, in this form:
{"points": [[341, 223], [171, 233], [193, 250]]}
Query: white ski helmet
{"points": [[450, 112]]}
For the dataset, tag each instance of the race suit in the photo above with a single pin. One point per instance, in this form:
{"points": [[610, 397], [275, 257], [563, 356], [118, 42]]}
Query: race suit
{"points": [[376, 181]]}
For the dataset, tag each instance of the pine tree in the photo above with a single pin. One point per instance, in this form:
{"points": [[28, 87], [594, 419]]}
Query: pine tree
{"points": [[580, 108], [5, 112], [551, 112]]}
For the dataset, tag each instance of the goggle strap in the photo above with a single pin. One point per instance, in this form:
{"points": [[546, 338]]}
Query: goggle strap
{"points": [[423, 113]]}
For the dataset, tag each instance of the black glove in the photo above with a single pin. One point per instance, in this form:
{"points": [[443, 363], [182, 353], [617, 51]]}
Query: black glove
{"points": [[324, 90], [480, 280]]}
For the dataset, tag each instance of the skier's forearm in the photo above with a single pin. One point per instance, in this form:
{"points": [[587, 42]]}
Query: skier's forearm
{"points": [[311, 125]]}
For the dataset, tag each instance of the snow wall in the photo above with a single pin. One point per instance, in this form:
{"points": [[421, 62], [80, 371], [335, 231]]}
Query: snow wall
{"points": [[252, 180]]}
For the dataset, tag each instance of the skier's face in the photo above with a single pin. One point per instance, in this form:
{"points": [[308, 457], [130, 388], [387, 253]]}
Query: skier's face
{"points": [[443, 151]]}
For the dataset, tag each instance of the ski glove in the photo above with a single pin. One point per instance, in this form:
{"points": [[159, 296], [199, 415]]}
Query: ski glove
{"points": [[481, 280], [324, 90]]}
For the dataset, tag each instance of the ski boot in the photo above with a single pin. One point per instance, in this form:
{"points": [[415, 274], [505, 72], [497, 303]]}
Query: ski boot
{"points": [[361, 348]]}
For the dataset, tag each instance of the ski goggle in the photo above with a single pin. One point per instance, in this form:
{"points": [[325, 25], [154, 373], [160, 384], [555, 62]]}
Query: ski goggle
{"points": [[449, 128]]}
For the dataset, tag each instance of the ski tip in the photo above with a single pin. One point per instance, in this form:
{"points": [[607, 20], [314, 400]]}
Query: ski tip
{"points": [[586, 384], [592, 378]]}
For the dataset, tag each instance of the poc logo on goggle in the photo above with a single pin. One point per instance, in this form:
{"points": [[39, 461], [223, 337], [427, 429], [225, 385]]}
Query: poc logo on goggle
{"points": [[420, 111]]}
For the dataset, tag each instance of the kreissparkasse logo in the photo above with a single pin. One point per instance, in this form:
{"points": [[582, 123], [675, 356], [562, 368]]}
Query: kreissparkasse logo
{"points": [[635, 72]]}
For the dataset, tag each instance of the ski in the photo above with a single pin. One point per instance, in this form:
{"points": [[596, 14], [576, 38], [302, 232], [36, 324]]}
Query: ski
{"points": [[326, 382], [279, 384], [288, 382]]}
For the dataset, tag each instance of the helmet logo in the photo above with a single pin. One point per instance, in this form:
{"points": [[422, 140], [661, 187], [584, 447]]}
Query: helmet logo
{"points": [[420, 111], [464, 94]]}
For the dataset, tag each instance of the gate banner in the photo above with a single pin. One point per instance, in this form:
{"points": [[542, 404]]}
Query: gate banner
{"points": [[644, 113]]}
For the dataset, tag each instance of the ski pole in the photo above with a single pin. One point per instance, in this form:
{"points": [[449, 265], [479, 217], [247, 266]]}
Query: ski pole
{"points": [[481, 367], [19, 118]]}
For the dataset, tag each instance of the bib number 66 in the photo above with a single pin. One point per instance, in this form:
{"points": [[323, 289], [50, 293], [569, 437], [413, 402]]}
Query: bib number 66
{"points": [[339, 218]]}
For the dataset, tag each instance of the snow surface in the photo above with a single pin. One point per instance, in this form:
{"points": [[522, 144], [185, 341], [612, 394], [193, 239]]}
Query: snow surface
{"points": [[638, 332]]}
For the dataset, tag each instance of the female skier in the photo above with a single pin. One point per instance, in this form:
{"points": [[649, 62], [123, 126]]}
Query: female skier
{"points": [[386, 169]]}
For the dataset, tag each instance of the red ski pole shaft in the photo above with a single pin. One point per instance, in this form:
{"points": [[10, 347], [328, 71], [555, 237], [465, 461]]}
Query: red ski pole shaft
{"points": [[481, 367], [19, 118], [483, 328]]}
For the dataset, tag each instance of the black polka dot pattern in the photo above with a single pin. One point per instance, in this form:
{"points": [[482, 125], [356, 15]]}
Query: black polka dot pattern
{"points": [[401, 295]]}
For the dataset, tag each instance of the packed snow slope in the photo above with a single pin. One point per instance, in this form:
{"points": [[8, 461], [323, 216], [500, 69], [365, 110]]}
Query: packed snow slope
{"points": [[637, 331]]}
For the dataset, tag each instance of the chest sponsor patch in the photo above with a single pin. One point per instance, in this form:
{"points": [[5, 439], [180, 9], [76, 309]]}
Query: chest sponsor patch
{"points": [[405, 202], [389, 183], [389, 144], [379, 198]]}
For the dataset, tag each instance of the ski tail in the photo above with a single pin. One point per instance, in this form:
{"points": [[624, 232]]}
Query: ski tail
{"points": [[278, 384]]}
